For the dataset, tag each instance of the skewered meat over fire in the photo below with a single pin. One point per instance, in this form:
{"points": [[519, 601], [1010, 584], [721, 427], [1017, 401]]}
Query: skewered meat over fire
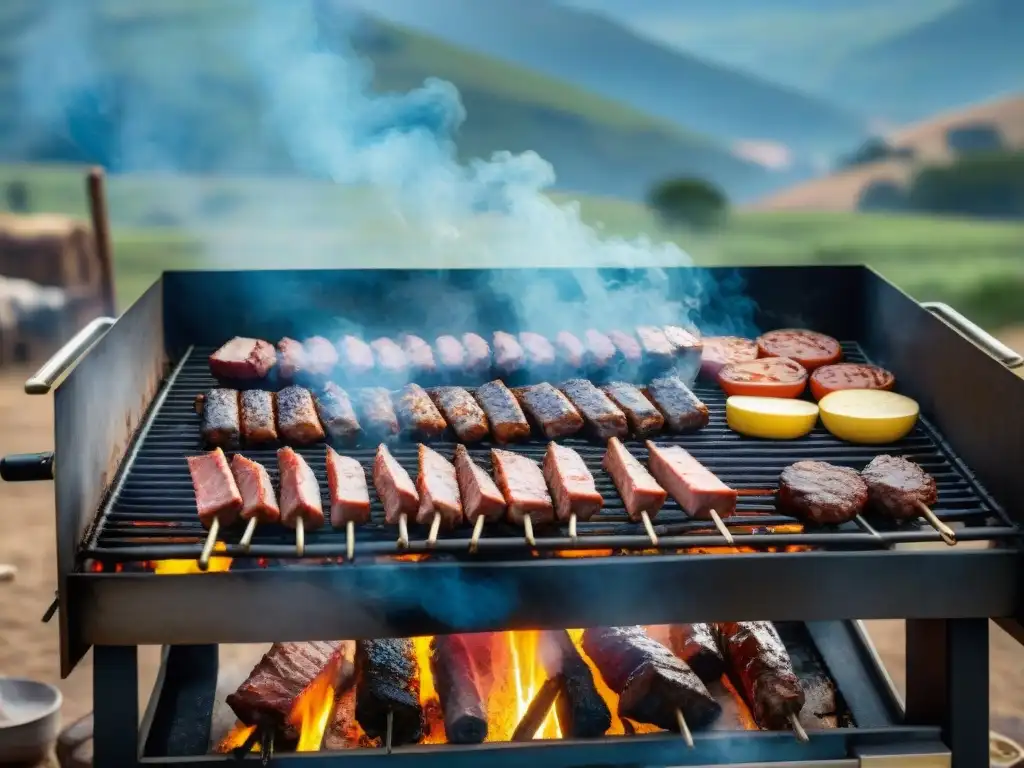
{"points": [[258, 497], [821, 493], [480, 496], [571, 484], [522, 484], [349, 495], [896, 487], [639, 490], [438, 489], [388, 681], [300, 491], [217, 494], [394, 486], [697, 490]]}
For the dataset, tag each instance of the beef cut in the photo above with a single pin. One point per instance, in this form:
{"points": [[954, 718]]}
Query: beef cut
{"points": [[897, 487], [821, 493]]}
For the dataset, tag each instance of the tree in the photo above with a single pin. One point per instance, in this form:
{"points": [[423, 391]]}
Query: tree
{"points": [[688, 202], [985, 185]]}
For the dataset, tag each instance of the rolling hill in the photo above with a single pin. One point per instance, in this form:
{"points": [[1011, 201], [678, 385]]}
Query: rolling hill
{"points": [[163, 86]]}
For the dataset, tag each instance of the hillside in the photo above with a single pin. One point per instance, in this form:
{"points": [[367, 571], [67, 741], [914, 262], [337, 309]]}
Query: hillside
{"points": [[167, 86], [601, 55]]}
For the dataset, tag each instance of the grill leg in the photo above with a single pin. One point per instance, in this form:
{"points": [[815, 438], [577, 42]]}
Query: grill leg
{"points": [[115, 704], [947, 684]]}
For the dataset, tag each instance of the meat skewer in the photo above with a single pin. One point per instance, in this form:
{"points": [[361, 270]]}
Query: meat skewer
{"points": [[388, 691], [218, 500], [481, 500], [640, 492], [821, 493], [900, 489], [221, 418], [526, 493], [438, 488], [259, 502], [549, 410], [396, 491], [350, 499], [572, 486], [696, 488], [301, 507]]}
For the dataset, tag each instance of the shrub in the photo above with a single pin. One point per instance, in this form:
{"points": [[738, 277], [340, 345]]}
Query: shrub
{"points": [[688, 202]]}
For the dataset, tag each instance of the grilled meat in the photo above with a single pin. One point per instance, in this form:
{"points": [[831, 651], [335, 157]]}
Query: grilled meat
{"points": [[438, 489], [462, 412], [604, 419], [682, 410], [600, 348], [337, 415], [821, 493], [581, 712], [419, 354], [571, 351], [243, 360], [696, 645], [478, 353], [657, 349], [217, 494], [696, 488], [346, 483], [454, 660], [539, 353], [627, 346], [291, 359], [651, 682], [549, 410], [356, 356], [269, 693], [389, 357], [221, 420], [395, 488], [388, 681], [321, 357], [451, 355], [258, 423], [297, 420], [417, 413], [896, 487], [821, 701], [508, 422], [300, 491], [760, 663], [480, 496], [509, 356], [689, 350], [377, 414], [640, 492], [258, 497], [571, 484], [642, 417], [522, 484]]}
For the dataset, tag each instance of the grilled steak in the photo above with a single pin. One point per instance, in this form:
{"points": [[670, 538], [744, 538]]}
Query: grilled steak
{"points": [[522, 484], [652, 683], [377, 414], [243, 360], [417, 413], [462, 412], [389, 357], [539, 353], [640, 492], [682, 410], [570, 351], [337, 415], [461, 691], [696, 645], [258, 497], [627, 346], [269, 693], [394, 486], [604, 419], [696, 488], [581, 712], [438, 489], [600, 348], [300, 491], [571, 484], [321, 357], [451, 355], [480, 496], [291, 359], [642, 417], [297, 420], [478, 353], [821, 493], [346, 483], [217, 494], [388, 681], [657, 349], [897, 486], [509, 356], [356, 356], [549, 410], [508, 422], [257, 417], [764, 674], [419, 354], [220, 426]]}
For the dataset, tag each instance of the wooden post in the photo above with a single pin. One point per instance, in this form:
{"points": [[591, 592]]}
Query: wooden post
{"points": [[96, 188]]}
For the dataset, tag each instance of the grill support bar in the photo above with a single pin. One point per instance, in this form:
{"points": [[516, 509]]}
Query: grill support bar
{"points": [[115, 705]]}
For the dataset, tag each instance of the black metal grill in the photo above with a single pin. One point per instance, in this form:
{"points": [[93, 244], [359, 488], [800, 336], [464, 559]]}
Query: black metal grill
{"points": [[152, 514]]}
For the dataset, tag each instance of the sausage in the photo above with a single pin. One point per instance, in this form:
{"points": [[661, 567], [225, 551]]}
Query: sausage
{"points": [[221, 420], [571, 484], [683, 410], [462, 412], [821, 493], [642, 417], [809, 348], [377, 413], [337, 415], [297, 420], [603, 418], [388, 682], [508, 422], [257, 417], [417, 413], [696, 645], [550, 410]]}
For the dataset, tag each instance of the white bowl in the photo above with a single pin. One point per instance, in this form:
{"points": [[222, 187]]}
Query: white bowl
{"points": [[29, 720]]}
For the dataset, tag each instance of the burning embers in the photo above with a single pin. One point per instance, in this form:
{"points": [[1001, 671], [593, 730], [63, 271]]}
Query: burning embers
{"points": [[520, 686]]}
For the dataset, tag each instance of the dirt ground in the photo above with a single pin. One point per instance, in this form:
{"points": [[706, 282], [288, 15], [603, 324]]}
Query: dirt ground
{"points": [[29, 648]]}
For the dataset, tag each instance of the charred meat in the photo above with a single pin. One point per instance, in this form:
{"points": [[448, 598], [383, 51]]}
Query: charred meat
{"points": [[549, 410], [378, 414], [257, 416], [642, 417], [462, 693], [571, 484], [388, 682], [243, 360], [462, 412], [522, 483], [581, 712], [438, 489], [346, 483], [639, 490], [258, 497], [897, 487], [300, 491], [395, 488], [221, 419], [417, 413], [337, 415], [217, 494], [508, 422], [696, 645], [821, 493], [683, 410], [297, 420], [696, 488], [509, 356], [604, 419], [480, 495]]}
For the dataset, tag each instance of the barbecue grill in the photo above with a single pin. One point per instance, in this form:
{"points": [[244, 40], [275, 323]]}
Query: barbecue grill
{"points": [[125, 421]]}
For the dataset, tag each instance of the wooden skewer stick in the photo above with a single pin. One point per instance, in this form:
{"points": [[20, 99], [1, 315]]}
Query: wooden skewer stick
{"points": [[528, 525], [250, 528], [435, 526], [798, 729], [649, 527], [300, 536], [722, 529], [478, 528], [684, 729], [572, 527], [403, 531], [211, 540], [391, 728], [350, 540], [948, 534], [267, 748]]}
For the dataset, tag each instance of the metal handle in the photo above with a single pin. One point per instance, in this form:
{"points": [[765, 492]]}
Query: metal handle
{"points": [[25, 467], [66, 356], [975, 334]]}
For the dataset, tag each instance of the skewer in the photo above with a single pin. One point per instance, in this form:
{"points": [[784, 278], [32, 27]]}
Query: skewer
{"points": [[300, 536], [528, 526], [211, 540], [241, 751], [798, 729], [435, 526], [246, 541], [267, 748], [350, 540], [403, 531], [721, 528], [649, 527], [391, 727], [684, 729], [948, 534], [478, 528], [572, 527]]}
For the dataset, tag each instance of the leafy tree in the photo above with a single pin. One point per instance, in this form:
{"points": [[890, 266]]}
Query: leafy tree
{"points": [[688, 202], [987, 185]]}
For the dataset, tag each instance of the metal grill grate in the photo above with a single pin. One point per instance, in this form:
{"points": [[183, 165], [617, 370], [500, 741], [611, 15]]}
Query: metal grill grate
{"points": [[151, 514]]}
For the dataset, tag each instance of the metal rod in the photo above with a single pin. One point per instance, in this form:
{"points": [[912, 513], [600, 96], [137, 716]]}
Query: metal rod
{"points": [[96, 191], [478, 528], [722, 529], [684, 729], [403, 531], [350, 540], [948, 534], [435, 526], [528, 530], [300, 536], [648, 527], [250, 528], [798, 729], [211, 541]]}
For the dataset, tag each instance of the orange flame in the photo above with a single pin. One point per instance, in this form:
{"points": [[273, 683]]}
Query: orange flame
{"points": [[237, 737], [313, 707], [178, 567], [529, 676]]}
